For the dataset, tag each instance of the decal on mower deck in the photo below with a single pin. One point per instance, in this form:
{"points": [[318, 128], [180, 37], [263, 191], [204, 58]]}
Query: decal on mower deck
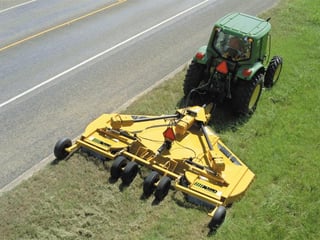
{"points": [[93, 139], [205, 187]]}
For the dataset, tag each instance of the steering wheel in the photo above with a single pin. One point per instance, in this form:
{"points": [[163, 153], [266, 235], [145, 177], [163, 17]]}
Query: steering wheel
{"points": [[233, 53]]}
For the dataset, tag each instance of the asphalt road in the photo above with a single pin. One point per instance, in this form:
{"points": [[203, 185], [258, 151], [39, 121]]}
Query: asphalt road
{"points": [[64, 63]]}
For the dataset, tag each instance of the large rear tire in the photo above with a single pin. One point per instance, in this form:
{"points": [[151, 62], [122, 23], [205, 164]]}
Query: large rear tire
{"points": [[247, 94], [195, 74], [273, 72]]}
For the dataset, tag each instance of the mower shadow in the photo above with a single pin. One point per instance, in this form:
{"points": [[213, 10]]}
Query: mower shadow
{"points": [[122, 186], [56, 161], [154, 202], [222, 117]]}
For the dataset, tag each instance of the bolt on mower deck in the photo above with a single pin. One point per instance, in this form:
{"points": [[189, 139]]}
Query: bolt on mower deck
{"points": [[180, 150]]}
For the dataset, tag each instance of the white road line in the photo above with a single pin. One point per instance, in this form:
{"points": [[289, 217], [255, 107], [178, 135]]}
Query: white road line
{"points": [[100, 54], [16, 6]]}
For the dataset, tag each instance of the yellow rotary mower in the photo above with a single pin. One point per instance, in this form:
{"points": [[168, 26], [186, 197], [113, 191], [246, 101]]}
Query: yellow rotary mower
{"points": [[180, 150]]}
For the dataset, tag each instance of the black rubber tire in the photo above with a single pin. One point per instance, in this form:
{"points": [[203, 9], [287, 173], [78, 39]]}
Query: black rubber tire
{"points": [[246, 95], [117, 166], [130, 172], [273, 72], [149, 183], [163, 188], [218, 218], [195, 74], [60, 148]]}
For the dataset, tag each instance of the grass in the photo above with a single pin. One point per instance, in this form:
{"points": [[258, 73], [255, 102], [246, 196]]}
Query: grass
{"points": [[280, 143]]}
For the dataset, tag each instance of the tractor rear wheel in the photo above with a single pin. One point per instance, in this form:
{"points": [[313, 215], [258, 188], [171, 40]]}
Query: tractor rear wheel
{"points": [[273, 72], [60, 148], [195, 74], [163, 188], [247, 94], [117, 166], [149, 183]]}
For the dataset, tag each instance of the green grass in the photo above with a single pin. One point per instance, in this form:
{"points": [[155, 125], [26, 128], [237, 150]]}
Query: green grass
{"points": [[280, 143]]}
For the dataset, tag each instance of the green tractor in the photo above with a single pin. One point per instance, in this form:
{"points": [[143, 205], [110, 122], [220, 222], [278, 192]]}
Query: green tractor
{"points": [[234, 65]]}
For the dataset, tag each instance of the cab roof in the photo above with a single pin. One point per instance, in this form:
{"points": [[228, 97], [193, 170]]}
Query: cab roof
{"points": [[243, 24]]}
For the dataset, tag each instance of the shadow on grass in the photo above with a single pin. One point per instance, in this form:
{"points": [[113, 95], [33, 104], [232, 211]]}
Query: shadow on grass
{"points": [[155, 202], [122, 186], [145, 197], [212, 232], [186, 201], [224, 119], [57, 161], [112, 180]]}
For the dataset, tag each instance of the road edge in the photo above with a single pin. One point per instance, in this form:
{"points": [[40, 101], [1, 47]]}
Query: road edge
{"points": [[44, 162]]}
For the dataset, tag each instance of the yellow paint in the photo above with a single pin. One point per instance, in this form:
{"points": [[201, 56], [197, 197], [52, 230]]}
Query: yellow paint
{"points": [[198, 162], [214, 175]]}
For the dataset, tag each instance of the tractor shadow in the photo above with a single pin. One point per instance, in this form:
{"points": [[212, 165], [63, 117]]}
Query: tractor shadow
{"points": [[222, 117]]}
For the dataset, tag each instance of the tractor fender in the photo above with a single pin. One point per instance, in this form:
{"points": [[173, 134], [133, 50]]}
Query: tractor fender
{"points": [[201, 55], [246, 72]]}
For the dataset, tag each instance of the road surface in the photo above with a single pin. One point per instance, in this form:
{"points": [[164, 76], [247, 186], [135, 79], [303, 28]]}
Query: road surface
{"points": [[64, 63]]}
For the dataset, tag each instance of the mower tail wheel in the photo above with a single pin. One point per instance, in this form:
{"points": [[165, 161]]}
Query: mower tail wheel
{"points": [[130, 172], [149, 183], [117, 166], [60, 148], [218, 218], [273, 71], [162, 188]]}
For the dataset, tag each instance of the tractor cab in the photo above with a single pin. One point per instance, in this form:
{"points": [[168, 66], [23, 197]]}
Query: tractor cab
{"points": [[240, 37]]}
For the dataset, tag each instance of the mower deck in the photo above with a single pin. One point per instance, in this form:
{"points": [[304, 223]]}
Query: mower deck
{"points": [[181, 148]]}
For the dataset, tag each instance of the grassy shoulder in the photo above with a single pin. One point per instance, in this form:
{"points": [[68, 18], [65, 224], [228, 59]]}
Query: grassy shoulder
{"points": [[280, 143]]}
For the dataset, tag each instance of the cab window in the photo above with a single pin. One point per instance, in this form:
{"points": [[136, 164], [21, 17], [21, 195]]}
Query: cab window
{"points": [[232, 47]]}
